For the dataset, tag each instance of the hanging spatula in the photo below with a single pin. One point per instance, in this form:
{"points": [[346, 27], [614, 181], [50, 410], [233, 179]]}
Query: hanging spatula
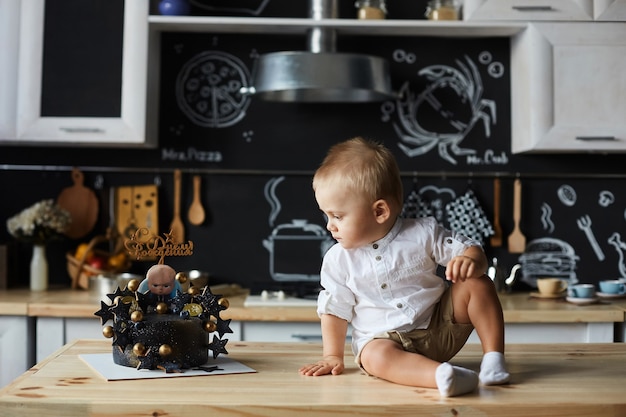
{"points": [[496, 239], [517, 240], [177, 229]]}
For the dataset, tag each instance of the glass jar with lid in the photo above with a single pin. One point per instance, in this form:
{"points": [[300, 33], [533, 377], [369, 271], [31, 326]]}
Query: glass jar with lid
{"points": [[371, 9], [443, 10]]}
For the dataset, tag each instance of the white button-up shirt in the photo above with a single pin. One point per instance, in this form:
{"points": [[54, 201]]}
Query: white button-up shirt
{"points": [[390, 284]]}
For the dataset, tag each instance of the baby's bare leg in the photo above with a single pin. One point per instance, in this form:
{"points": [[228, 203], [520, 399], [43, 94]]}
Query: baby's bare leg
{"points": [[476, 301], [387, 360]]}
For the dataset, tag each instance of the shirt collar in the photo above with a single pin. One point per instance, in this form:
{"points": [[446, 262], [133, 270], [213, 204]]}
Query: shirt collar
{"points": [[390, 236]]}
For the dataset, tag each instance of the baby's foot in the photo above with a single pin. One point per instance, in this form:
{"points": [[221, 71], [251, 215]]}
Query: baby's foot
{"points": [[454, 380], [493, 369]]}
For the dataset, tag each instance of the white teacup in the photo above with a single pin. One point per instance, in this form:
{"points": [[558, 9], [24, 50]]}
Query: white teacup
{"points": [[551, 286]]}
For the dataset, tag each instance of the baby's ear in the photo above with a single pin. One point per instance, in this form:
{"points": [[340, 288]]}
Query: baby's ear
{"points": [[382, 211]]}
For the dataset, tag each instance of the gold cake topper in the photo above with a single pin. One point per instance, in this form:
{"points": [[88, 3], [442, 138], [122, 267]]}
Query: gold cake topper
{"points": [[152, 246]]}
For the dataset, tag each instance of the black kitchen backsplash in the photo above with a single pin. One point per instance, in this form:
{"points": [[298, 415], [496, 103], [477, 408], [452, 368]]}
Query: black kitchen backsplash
{"points": [[450, 131]]}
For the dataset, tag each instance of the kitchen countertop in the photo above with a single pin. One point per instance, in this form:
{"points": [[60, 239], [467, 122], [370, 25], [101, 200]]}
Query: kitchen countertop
{"points": [[546, 379], [518, 307]]}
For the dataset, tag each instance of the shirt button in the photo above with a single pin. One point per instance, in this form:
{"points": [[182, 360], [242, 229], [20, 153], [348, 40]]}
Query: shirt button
{"points": [[383, 286], [449, 241], [399, 305], [378, 258], [375, 245]]}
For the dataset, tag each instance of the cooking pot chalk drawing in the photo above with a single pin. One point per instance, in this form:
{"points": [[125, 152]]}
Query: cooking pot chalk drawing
{"points": [[296, 250]]}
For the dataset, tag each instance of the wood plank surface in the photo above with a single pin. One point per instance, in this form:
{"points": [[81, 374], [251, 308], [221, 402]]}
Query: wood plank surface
{"points": [[548, 380]]}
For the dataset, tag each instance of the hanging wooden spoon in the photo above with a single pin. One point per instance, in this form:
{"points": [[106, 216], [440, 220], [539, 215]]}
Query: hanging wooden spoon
{"points": [[177, 229], [496, 239], [517, 240], [196, 211]]}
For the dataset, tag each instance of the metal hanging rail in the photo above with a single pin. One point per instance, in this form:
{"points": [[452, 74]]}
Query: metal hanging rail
{"points": [[215, 171]]}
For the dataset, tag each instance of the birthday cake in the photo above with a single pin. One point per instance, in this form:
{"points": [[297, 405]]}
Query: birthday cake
{"points": [[163, 327]]}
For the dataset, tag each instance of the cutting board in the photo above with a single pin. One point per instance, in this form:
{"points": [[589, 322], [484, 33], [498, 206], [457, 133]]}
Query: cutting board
{"points": [[82, 204], [136, 206]]}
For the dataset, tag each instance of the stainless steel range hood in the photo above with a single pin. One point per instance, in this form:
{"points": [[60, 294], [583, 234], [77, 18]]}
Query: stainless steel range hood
{"points": [[321, 74]]}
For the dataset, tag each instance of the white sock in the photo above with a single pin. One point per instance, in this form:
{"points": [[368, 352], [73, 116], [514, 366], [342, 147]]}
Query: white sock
{"points": [[454, 380], [493, 369]]}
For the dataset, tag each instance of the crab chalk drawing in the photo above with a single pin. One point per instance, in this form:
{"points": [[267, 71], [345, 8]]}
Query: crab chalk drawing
{"points": [[466, 85]]}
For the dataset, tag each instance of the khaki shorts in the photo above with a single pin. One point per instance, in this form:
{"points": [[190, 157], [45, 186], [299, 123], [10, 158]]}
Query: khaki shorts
{"points": [[440, 341]]}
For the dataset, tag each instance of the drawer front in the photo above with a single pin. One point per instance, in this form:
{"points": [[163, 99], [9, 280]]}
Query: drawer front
{"points": [[528, 10]]}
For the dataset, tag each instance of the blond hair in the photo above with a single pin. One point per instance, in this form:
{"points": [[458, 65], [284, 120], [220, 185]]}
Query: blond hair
{"points": [[365, 167]]}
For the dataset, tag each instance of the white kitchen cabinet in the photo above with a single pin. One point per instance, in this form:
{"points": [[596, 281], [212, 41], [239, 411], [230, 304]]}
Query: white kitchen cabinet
{"points": [[567, 88], [15, 342], [281, 332], [530, 10], [556, 333], [552, 10], [33, 125], [9, 29]]}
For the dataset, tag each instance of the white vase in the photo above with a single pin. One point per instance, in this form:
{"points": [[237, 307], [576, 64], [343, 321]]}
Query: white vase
{"points": [[39, 269]]}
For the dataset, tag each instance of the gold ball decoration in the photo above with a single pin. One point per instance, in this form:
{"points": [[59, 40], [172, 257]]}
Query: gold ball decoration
{"points": [[161, 308], [210, 326], [136, 316], [193, 291], [182, 277], [133, 285], [223, 302], [108, 332], [139, 349], [165, 351]]}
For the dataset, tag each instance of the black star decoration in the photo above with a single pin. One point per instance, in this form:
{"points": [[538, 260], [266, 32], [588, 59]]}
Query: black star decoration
{"points": [[178, 302], [169, 367], [118, 292], [104, 313], [217, 346], [121, 311], [149, 361], [223, 326]]}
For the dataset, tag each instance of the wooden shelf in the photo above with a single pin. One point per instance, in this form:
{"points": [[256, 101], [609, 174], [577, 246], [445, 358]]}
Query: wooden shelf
{"points": [[298, 26]]}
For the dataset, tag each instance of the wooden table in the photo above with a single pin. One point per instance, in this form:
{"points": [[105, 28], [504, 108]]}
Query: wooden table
{"points": [[548, 380]]}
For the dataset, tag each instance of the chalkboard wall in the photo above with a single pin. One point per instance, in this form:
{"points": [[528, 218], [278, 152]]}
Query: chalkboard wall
{"points": [[450, 131]]}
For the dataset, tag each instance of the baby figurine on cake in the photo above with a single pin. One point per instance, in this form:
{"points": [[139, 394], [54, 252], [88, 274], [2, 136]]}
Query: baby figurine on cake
{"points": [[161, 282]]}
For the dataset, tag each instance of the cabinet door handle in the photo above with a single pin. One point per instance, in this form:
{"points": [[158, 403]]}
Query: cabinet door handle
{"points": [[533, 8], [312, 336], [82, 129], [596, 138], [307, 336]]}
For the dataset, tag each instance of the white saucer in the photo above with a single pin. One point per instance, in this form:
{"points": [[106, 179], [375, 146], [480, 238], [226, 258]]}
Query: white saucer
{"points": [[548, 296], [609, 295], [582, 301]]}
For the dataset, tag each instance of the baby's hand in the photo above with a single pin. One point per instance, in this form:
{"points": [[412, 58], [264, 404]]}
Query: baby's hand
{"points": [[461, 268], [330, 365]]}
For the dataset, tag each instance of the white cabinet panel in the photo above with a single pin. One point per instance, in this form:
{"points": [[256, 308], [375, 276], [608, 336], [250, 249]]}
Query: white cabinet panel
{"points": [[9, 30], [555, 333], [567, 88], [531, 10], [126, 129], [610, 10], [281, 332], [14, 347]]}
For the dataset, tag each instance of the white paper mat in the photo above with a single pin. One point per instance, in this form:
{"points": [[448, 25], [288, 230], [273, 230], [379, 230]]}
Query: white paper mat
{"points": [[104, 365]]}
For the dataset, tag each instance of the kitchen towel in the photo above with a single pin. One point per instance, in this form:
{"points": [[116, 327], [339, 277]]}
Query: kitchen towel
{"points": [[415, 206], [465, 215]]}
